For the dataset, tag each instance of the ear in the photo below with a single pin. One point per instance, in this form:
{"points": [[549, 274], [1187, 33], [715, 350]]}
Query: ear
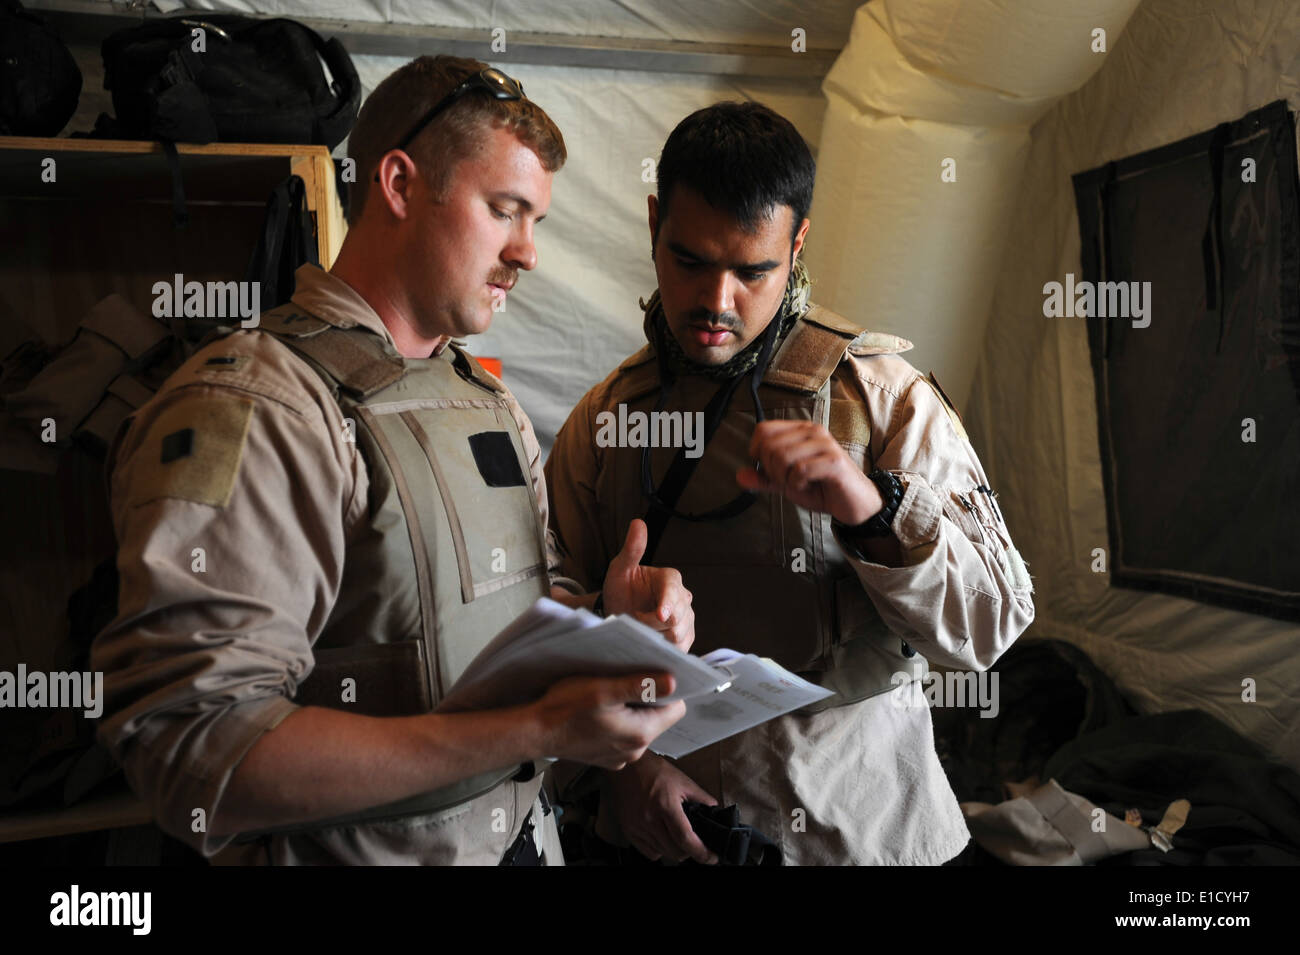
{"points": [[798, 240], [394, 179]]}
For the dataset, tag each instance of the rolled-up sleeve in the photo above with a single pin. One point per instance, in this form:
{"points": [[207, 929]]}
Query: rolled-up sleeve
{"points": [[963, 593], [230, 555]]}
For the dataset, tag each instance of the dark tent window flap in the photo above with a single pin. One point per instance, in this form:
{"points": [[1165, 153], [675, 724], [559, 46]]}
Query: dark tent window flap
{"points": [[1191, 290]]}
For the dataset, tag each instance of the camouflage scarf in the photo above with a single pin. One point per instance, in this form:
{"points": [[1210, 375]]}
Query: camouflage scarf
{"points": [[793, 304]]}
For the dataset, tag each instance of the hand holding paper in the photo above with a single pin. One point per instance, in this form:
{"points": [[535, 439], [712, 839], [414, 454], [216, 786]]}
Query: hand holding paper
{"points": [[726, 692]]}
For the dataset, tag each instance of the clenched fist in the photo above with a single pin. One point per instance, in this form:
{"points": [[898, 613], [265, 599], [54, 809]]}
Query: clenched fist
{"points": [[802, 460]]}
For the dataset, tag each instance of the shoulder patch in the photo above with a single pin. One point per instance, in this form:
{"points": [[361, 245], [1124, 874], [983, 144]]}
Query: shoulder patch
{"points": [[849, 423], [254, 363], [933, 382], [192, 450], [878, 343]]}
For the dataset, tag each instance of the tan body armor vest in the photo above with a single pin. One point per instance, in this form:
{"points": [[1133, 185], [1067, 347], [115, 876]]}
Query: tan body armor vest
{"points": [[453, 550], [772, 580]]}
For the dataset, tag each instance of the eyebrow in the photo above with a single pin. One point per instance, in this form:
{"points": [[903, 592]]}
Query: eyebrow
{"points": [[520, 201], [765, 266]]}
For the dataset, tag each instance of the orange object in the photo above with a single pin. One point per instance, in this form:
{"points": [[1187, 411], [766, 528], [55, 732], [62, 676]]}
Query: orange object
{"points": [[491, 364]]}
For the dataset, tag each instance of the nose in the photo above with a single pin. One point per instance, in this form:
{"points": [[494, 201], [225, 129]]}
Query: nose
{"points": [[521, 252], [717, 293]]}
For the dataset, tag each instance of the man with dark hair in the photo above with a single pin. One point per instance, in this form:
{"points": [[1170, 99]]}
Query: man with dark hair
{"points": [[323, 519], [838, 520]]}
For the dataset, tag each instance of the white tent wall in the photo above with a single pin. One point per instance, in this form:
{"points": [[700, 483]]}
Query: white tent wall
{"points": [[925, 140], [1181, 67]]}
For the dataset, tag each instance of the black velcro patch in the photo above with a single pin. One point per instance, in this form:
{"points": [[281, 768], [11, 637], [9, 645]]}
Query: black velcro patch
{"points": [[178, 444], [494, 453]]}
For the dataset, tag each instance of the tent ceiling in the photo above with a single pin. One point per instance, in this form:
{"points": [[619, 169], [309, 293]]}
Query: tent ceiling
{"points": [[721, 39]]}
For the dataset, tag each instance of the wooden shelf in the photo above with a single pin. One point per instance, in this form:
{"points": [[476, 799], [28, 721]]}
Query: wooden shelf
{"points": [[120, 171]]}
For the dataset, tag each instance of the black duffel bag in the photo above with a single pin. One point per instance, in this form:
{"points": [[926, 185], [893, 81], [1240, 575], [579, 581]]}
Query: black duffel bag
{"points": [[251, 81], [39, 79]]}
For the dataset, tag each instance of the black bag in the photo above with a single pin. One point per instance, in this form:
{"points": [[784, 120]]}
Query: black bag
{"points": [[39, 80], [255, 81]]}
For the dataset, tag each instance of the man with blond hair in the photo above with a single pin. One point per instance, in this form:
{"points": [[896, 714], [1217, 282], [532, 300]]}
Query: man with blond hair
{"points": [[370, 508]]}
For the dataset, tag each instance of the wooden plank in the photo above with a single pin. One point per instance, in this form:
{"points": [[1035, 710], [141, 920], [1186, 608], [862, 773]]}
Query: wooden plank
{"points": [[336, 226], [317, 173], [65, 144]]}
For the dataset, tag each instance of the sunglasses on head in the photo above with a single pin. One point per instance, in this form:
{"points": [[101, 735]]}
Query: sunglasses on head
{"points": [[491, 80]]}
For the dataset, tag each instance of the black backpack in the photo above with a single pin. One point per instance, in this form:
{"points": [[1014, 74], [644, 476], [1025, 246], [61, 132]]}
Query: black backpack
{"points": [[39, 80], [255, 81]]}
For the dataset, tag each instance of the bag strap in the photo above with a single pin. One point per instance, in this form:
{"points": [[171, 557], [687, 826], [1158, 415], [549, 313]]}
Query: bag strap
{"points": [[287, 223], [180, 217]]}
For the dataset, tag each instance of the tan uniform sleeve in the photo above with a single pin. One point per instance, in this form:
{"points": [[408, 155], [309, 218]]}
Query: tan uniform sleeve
{"points": [[231, 494], [571, 472], [963, 594]]}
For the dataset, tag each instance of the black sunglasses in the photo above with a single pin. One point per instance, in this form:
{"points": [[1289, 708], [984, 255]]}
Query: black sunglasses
{"points": [[491, 80]]}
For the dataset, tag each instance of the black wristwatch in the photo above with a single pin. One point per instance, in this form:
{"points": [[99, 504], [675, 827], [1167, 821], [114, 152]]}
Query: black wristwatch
{"points": [[880, 524]]}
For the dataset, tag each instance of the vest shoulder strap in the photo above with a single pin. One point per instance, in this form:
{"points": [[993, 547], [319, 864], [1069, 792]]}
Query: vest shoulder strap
{"points": [[819, 343], [290, 321], [812, 351], [356, 359], [469, 367]]}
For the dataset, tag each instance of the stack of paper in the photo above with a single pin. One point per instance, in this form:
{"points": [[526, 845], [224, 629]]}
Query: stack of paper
{"points": [[725, 692]]}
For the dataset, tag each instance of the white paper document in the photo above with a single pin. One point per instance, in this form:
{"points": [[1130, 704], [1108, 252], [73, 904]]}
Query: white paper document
{"points": [[725, 692], [757, 690]]}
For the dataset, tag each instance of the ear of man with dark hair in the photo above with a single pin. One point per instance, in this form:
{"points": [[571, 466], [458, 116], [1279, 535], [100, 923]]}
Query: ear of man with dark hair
{"points": [[743, 159]]}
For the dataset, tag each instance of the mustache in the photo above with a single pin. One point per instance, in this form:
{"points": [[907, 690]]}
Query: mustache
{"points": [[503, 276], [727, 320]]}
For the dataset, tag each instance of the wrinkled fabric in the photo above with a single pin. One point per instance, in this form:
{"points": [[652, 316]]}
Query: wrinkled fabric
{"points": [[1050, 826]]}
